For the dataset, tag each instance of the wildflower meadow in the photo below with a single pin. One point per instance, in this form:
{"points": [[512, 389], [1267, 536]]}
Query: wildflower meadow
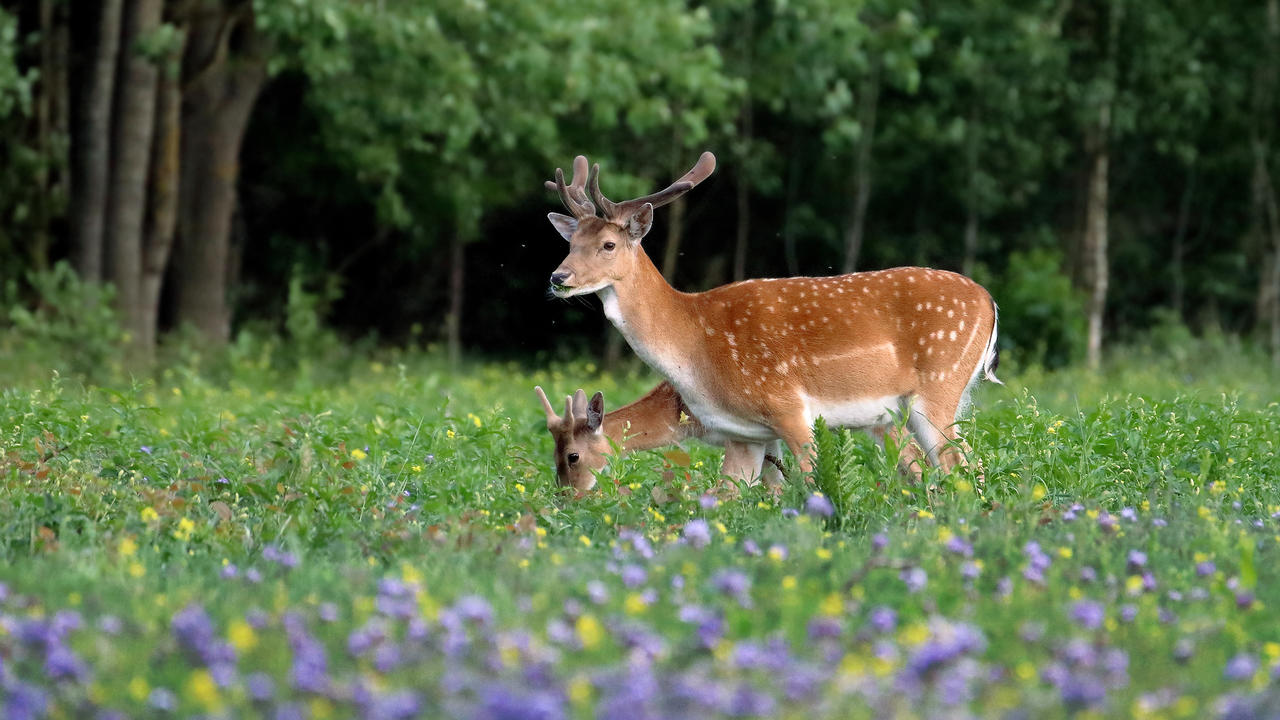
{"points": [[384, 539]]}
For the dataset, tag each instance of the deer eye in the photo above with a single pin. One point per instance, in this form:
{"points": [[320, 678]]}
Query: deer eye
{"points": [[573, 458], [609, 245]]}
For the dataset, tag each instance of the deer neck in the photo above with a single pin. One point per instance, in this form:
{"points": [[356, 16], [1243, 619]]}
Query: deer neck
{"points": [[657, 419], [655, 318]]}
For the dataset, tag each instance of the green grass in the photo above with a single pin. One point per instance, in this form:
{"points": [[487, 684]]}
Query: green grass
{"points": [[371, 503]]}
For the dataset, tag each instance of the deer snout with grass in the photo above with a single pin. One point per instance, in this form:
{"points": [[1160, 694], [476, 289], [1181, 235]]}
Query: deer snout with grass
{"points": [[762, 359], [585, 437]]}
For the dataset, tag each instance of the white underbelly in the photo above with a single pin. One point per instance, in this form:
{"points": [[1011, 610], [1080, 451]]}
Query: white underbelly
{"points": [[723, 425], [862, 413]]}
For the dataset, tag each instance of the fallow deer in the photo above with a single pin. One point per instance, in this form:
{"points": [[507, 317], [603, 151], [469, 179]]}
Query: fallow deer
{"points": [[762, 359], [585, 436]]}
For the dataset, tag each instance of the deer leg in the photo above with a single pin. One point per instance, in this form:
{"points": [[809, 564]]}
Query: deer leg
{"points": [[742, 461], [796, 432], [770, 471], [934, 426]]}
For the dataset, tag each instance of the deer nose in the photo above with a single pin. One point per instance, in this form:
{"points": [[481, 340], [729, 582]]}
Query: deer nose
{"points": [[559, 277]]}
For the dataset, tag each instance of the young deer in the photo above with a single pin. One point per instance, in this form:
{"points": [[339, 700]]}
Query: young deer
{"points": [[762, 359], [584, 432]]}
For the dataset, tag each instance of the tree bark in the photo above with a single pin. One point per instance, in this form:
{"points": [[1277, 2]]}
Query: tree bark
{"points": [[457, 278], [91, 142], [1098, 147], [223, 69], [162, 219], [869, 95], [126, 207]]}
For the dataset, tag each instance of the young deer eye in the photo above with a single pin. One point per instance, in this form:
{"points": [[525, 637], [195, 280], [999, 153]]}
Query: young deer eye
{"points": [[609, 245], [573, 458]]}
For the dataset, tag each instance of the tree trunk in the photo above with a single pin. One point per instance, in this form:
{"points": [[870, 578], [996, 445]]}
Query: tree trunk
{"points": [[675, 235], [162, 220], [224, 69], [869, 96], [1098, 151], [91, 141], [1095, 232], [127, 204], [457, 278], [971, 147]]}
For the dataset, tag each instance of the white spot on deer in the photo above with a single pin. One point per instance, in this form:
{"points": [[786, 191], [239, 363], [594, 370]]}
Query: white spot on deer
{"points": [[928, 351], [795, 308], [710, 331], [953, 334], [961, 324], [781, 367], [919, 307], [731, 339], [922, 340], [951, 313], [928, 306], [911, 278], [866, 289], [826, 320]]}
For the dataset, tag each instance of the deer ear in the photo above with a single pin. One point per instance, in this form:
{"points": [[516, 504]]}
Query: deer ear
{"points": [[639, 223], [595, 413], [564, 224]]}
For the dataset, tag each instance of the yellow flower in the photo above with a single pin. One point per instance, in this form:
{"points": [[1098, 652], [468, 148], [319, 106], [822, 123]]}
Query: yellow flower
{"points": [[416, 468], [450, 434], [1203, 512], [128, 547], [139, 689], [136, 569], [590, 633], [789, 582], [520, 488], [358, 454], [1038, 492], [964, 486], [185, 527], [584, 540], [776, 553], [1064, 552], [634, 604], [823, 553], [241, 635], [203, 690], [579, 690], [149, 514], [832, 605]]}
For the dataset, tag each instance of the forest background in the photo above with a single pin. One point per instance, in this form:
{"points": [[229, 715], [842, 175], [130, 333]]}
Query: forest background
{"points": [[340, 171]]}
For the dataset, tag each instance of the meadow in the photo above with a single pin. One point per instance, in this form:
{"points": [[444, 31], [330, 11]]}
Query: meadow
{"points": [[382, 537]]}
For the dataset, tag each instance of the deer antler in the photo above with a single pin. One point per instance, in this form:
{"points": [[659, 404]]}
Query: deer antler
{"points": [[553, 420], [574, 195], [619, 212]]}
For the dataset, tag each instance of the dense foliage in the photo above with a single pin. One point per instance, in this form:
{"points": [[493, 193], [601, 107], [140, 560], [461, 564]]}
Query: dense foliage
{"points": [[393, 154]]}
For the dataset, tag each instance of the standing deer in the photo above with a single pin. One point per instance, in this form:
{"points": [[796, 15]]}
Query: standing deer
{"points": [[585, 435], [762, 359]]}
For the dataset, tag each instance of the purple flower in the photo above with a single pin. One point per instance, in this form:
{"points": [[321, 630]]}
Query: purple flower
{"points": [[970, 570], [146, 449], [882, 619], [1244, 599], [824, 627], [915, 578], [1004, 587], [283, 558], [1129, 514], [751, 548], [1205, 568], [260, 686], [959, 546], [819, 505], [253, 575], [62, 664], [879, 541], [697, 533], [633, 576], [597, 592], [1088, 574], [707, 501], [1137, 560], [1240, 667], [734, 583], [162, 699], [790, 512], [1088, 614], [1128, 613], [229, 571], [1106, 521]]}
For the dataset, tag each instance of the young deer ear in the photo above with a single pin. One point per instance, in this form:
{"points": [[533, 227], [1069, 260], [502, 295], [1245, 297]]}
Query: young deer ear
{"points": [[564, 224], [595, 413], [639, 223]]}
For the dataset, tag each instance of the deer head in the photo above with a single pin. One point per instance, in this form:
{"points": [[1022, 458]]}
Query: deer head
{"points": [[602, 248], [581, 445]]}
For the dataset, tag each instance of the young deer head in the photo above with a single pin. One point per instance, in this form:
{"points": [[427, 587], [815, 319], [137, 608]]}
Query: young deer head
{"points": [[603, 248], [581, 444]]}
